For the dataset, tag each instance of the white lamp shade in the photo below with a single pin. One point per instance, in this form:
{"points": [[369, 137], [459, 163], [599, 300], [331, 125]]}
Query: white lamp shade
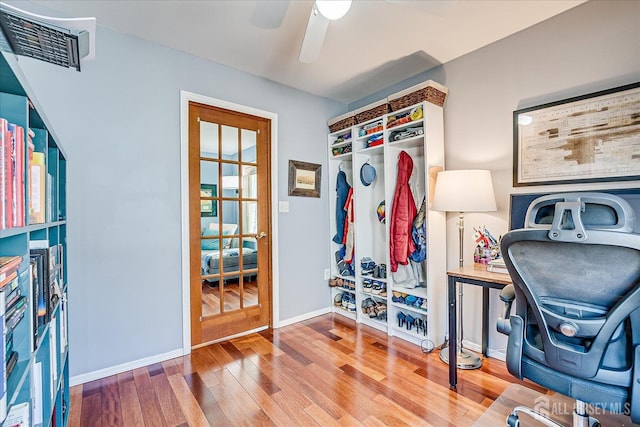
{"points": [[464, 191], [230, 182], [333, 9]]}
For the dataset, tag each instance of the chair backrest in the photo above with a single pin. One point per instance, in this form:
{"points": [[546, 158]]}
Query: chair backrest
{"points": [[576, 273]]}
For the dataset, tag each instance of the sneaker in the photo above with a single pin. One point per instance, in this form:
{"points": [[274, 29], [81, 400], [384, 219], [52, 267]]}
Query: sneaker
{"points": [[351, 304], [337, 299], [366, 285], [367, 263]]}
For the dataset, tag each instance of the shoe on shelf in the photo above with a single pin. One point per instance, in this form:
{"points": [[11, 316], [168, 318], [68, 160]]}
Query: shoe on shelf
{"points": [[410, 322], [351, 304], [401, 318], [383, 289], [333, 282], [345, 300], [366, 285], [337, 299], [376, 288], [367, 263], [398, 297]]}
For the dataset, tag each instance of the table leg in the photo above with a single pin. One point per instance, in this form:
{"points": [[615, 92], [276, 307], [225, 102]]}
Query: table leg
{"points": [[453, 338], [485, 319]]}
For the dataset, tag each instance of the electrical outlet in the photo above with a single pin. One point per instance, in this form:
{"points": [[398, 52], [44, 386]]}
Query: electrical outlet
{"points": [[327, 274]]}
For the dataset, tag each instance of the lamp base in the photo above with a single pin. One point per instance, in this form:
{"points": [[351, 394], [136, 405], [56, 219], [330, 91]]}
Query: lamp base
{"points": [[466, 359]]}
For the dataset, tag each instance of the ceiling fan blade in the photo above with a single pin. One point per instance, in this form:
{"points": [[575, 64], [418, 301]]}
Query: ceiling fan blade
{"points": [[313, 37]]}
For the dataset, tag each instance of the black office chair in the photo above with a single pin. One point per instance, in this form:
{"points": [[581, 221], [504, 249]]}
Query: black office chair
{"points": [[576, 280]]}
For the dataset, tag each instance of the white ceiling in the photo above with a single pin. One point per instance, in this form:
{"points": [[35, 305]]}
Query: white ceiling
{"points": [[377, 44]]}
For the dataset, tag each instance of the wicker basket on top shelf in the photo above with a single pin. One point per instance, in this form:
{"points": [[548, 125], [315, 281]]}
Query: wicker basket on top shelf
{"points": [[371, 111], [341, 122], [429, 91]]}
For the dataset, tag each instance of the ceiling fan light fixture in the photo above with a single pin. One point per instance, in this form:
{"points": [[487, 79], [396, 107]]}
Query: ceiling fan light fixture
{"points": [[333, 9]]}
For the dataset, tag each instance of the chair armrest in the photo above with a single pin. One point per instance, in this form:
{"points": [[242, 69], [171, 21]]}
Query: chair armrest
{"points": [[507, 295]]}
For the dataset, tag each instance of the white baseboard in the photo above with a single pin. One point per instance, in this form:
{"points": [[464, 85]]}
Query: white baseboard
{"points": [[497, 354], [113, 370], [303, 317], [472, 346]]}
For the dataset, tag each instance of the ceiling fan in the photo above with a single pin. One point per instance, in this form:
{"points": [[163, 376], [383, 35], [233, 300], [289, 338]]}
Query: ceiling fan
{"points": [[324, 11]]}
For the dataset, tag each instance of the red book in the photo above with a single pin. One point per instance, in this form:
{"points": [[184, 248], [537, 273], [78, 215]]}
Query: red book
{"points": [[8, 179]]}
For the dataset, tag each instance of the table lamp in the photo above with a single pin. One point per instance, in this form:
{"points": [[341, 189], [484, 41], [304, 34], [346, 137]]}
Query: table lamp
{"points": [[463, 191]]}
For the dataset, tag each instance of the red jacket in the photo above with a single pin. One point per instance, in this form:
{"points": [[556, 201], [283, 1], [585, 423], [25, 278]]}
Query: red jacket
{"points": [[403, 212]]}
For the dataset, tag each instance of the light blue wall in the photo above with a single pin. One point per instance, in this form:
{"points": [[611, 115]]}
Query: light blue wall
{"points": [[119, 121], [592, 47]]}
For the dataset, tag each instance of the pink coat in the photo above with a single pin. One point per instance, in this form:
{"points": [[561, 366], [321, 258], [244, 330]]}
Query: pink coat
{"points": [[403, 212]]}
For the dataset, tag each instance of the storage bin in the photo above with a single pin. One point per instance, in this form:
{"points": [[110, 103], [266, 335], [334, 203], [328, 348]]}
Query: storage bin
{"points": [[341, 122], [371, 111], [429, 91]]}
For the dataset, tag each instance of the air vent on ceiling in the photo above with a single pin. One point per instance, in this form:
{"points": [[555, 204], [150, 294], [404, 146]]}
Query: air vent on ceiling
{"points": [[58, 41]]}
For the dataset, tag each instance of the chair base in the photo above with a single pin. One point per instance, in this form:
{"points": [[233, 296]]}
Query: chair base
{"points": [[466, 359], [577, 421]]}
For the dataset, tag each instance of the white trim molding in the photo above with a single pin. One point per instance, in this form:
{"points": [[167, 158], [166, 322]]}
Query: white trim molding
{"points": [[129, 366], [304, 317], [185, 98]]}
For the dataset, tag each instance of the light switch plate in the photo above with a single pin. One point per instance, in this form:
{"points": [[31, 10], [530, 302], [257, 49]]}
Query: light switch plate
{"points": [[283, 207]]}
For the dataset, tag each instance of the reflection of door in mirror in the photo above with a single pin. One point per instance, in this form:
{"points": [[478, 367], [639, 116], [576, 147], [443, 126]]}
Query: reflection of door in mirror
{"points": [[229, 209]]}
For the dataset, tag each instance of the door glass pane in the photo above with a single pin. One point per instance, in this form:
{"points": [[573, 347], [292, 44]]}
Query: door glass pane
{"points": [[248, 154], [230, 182], [208, 191], [250, 182], [230, 215], [208, 140], [210, 296], [229, 143], [250, 218]]}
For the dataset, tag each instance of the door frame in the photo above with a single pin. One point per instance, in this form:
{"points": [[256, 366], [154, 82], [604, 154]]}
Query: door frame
{"points": [[185, 98]]}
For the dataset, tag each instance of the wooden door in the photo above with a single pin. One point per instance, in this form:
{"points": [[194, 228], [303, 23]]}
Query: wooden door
{"points": [[229, 222]]}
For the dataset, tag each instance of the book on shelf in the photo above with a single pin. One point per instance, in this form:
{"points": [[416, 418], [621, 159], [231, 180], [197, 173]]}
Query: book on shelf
{"points": [[16, 317], [13, 292], [39, 289], [36, 392], [9, 280], [11, 361], [18, 416], [8, 264], [15, 308], [16, 189], [7, 177], [33, 304], [37, 188]]}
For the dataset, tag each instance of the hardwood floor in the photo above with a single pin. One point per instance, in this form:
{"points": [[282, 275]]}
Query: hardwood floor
{"points": [[211, 296], [323, 371]]}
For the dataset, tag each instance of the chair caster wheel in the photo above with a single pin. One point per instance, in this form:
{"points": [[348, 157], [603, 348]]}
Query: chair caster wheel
{"points": [[513, 421]]}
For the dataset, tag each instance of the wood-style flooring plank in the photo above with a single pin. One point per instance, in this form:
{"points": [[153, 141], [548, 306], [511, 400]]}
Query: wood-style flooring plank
{"points": [[168, 400], [75, 405], [129, 401], [324, 371], [151, 411], [187, 401], [111, 413]]}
